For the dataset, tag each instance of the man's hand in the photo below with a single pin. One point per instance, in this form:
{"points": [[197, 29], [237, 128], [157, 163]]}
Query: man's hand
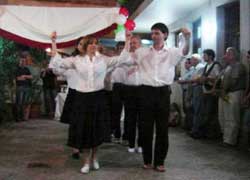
{"points": [[186, 33], [128, 37]]}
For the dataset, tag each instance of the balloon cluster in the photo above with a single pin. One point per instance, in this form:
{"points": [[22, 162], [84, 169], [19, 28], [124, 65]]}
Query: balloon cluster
{"points": [[123, 24]]}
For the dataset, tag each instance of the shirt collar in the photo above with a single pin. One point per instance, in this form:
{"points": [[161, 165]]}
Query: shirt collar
{"points": [[165, 48]]}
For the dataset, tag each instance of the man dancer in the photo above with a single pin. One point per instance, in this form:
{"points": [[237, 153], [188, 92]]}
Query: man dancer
{"points": [[157, 70]]}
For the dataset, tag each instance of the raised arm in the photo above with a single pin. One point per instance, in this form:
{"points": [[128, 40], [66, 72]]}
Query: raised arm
{"points": [[57, 62], [53, 37], [186, 34]]}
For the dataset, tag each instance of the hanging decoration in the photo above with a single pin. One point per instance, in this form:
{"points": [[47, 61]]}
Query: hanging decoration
{"points": [[122, 2], [123, 24], [124, 11], [130, 25]]}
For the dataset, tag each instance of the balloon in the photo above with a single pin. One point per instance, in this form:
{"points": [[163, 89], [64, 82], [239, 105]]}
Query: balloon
{"points": [[120, 19], [130, 25], [119, 28], [124, 11], [120, 36]]}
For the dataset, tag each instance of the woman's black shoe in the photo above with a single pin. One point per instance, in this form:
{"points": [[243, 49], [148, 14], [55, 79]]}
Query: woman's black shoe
{"points": [[76, 155]]}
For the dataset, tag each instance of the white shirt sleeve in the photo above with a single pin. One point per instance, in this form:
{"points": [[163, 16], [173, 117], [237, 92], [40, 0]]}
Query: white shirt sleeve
{"points": [[176, 55], [59, 62], [115, 61]]}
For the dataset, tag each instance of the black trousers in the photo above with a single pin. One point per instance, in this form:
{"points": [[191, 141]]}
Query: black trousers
{"points": [[209, 125], [116, 109], [132, 106], [155, 103]]}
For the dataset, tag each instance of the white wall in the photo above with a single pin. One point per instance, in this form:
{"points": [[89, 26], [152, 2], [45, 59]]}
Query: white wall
{"points": [[244, 28], [207, 12]]}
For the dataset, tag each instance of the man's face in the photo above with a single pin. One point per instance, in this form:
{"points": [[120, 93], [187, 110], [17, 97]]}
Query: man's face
{"points": [[22, 62], [194, 61], [229, 56], [187, 64], [158, 36], [205, 57], [134, 44]]}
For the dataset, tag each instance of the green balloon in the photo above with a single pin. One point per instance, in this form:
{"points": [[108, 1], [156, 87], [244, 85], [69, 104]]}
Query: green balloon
{"points": [[119, 28]]}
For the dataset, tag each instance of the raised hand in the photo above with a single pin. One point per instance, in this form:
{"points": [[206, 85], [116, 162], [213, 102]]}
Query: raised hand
{"points": [[53, 45], [53, 36], [186, 33]]}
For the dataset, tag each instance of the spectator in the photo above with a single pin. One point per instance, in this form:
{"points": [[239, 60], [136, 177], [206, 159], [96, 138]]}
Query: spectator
{"points": [[23, 88]]}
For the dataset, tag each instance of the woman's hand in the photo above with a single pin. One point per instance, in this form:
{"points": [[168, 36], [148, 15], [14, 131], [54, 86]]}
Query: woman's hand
{"points": [[53, 36]]}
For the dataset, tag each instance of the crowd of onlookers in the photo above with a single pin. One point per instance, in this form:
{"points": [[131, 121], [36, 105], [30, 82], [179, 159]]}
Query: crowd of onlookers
{"points": [[36, 86], [216, 96]]}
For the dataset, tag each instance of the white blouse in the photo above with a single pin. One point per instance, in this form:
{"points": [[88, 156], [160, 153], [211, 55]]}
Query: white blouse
{"points": [[72, 78], [90, 74]]}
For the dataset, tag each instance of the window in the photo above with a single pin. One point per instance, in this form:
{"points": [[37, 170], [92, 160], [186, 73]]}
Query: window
{"points": [[197, 36]]}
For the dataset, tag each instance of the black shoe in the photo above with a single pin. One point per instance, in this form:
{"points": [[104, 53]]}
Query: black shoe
{"points": [[195, 136], [76, 155], [227, 145]]}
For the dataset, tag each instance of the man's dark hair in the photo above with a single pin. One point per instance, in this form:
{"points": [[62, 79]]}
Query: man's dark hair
{"points": [[210, 53], [160, 26], [248, 52]]}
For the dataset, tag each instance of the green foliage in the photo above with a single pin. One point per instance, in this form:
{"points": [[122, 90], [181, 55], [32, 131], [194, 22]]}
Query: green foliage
{"points": [[9, 53], [39, 55], [8, 65]]}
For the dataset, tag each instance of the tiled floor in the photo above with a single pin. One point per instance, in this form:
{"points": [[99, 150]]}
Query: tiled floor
{"points": [[35, 150]]}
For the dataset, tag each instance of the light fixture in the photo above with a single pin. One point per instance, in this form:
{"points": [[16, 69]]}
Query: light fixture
{"points": [[48, 50], [146, 41]]}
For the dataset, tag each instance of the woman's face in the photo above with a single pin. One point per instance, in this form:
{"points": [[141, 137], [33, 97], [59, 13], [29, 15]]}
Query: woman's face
{"points": [[92, 47]]}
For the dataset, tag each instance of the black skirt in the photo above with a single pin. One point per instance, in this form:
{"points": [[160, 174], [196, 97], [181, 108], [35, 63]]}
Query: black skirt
{"points": [[68, 107], [87, 121]]}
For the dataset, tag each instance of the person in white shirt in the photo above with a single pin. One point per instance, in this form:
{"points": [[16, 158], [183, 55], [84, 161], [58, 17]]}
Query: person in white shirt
{"points": [[157, 70], [68, 108], [196, 93], [117, 79], [187, 94], [90, 100], [132, 100]]}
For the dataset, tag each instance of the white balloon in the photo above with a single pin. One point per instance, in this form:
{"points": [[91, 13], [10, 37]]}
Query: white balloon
{"points": [[121, 19], [120, 36]]}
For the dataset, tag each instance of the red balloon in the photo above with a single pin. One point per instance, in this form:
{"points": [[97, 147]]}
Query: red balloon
{"points": [[124, 11], [130, 25]]}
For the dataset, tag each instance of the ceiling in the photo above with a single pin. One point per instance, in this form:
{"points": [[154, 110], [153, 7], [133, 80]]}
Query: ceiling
{"points": [[166, 11]]}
